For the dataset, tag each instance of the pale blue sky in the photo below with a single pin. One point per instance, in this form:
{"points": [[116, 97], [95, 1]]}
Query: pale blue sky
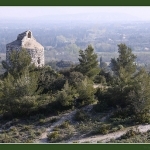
{"points": [[143, 12]]}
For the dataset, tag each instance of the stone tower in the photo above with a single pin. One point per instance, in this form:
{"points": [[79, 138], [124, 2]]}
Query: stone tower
{"points": [[27, 41]]}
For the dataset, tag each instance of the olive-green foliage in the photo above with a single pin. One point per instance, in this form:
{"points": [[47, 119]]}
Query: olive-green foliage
{"points": [[75, 78], [19, 131], [80, 116], [103, 100], [100, 79], [124, 69], [18, 62], [54, 119], [60, 133], [19, 87], [125, 60], [133, 100], [17, 95], [120, 127], [86, 92], [88, 62], [105, 78], [77, 91], [67, 95], [49, 80], [53, 136], [139, 96], [127, 121], [65, 124], [129, 91], [129, 133], [104, 129]]}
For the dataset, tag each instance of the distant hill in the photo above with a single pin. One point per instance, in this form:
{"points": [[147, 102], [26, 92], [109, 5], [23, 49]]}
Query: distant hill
{"points": [[90, 17], [81, 17]]}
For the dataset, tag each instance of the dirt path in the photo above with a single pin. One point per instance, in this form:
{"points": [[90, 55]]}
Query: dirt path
{"points": [[43, 137], [107, 137], [91, 139]]}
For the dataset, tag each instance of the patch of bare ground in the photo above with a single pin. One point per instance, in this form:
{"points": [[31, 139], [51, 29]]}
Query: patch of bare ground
{"points": [[64, 117], [82, 130], [108, 137]]}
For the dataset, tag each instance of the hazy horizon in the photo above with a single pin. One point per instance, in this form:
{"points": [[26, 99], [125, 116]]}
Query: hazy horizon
{"points": [[30, 12]]}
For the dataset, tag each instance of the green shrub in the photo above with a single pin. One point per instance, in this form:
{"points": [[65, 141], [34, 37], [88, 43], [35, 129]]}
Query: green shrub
{"points": [[80, 116], [38, 133], [86, 93], [104, 129], [75, 142], [43, 129], [99, 141], [28, 141], [65, 124], [56, 128], [120, 127], [130, 133], [5, 138], [118, 121], [114, 129], [26, 128], [41, 121], [86, 142], [112, 140], [66, 96], [54, 119], [53, 136], [13, 129]]}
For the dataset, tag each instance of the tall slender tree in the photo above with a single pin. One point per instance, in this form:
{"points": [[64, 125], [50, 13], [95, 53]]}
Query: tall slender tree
{"points": [[125, 62], [88, 62]]}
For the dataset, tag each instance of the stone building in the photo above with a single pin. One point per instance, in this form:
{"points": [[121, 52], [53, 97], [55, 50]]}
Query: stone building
{"points": [[27, 41]]}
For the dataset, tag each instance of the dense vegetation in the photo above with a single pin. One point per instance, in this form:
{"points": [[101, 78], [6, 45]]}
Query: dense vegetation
{"points": [[26, 89], [121, 88]]}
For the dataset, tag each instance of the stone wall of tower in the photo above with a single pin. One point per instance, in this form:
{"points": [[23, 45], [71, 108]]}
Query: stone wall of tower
{"points": [[27, 41], [9, 48], [37, 56]]}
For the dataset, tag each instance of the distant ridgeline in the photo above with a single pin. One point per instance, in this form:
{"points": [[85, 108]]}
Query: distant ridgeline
{"points": [[27, 41]]}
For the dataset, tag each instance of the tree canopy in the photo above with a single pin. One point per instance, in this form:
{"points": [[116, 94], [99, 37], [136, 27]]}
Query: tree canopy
{"points": [[88, 63]]}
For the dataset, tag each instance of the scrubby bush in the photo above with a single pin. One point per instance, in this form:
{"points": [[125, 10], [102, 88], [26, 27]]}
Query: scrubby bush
{"points": [[65, 124], [80, 116], [130, 133], [66, 97], [103, 129], [114, 129], [53, 119], [86, 93], [53, 136], [120, 127]]}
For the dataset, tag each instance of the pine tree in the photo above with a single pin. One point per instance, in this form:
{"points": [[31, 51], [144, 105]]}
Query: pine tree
{"points": [[17, 96], [125, 62], [139, 96], [19, 87], [86, 92], [88, 62], [124, 68], [66, 97], [18, 62]]}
